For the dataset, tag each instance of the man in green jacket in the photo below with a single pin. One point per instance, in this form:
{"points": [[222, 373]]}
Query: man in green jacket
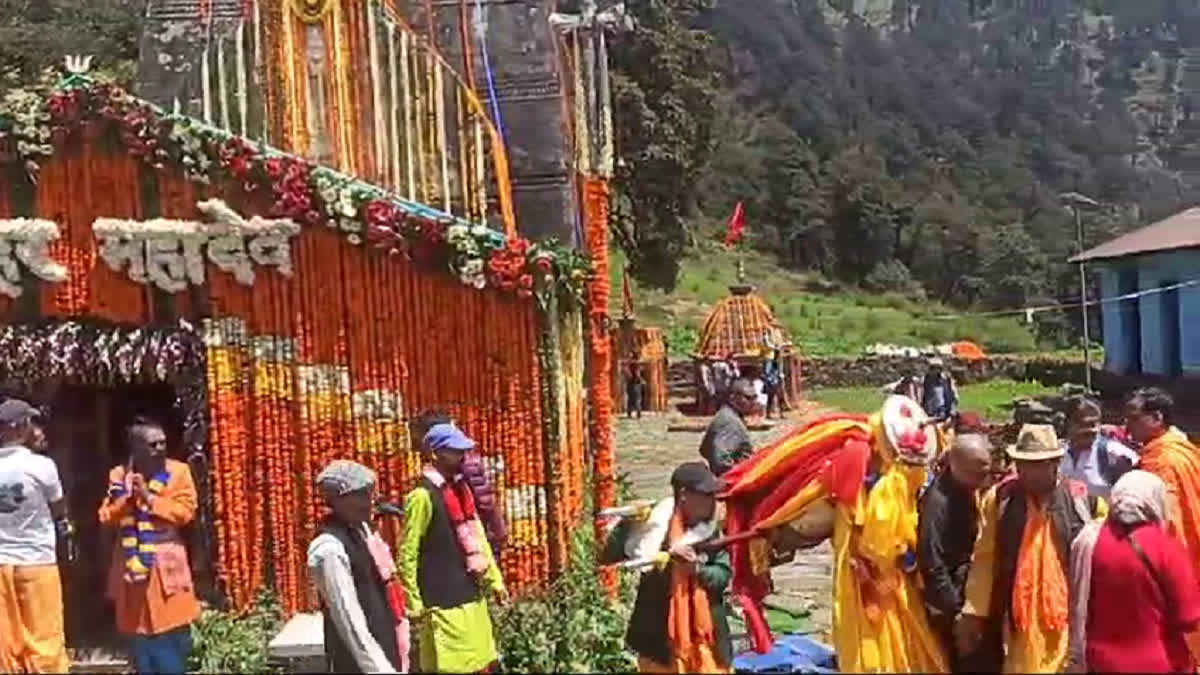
{"points": [[679, 622], [446, 564]]}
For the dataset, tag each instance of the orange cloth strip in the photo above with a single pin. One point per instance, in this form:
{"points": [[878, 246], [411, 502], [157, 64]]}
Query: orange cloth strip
{"points": [[1041, 579], [689, 619], [31, 620]]}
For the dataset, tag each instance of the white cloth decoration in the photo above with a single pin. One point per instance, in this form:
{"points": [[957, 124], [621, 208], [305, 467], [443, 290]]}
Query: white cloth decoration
{"points": [[646, 538], [27, 240], [171, 253]]}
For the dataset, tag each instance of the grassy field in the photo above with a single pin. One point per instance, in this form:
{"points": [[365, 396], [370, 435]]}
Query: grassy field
{"points": [[823, 318], [989, 399]]}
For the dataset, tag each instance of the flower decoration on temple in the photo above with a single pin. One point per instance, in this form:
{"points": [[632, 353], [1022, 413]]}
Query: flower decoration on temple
{"points": [[35, 122], [27, 240]]}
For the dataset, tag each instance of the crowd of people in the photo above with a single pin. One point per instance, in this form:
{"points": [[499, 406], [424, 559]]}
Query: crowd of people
{"points": [[1083, 557]]}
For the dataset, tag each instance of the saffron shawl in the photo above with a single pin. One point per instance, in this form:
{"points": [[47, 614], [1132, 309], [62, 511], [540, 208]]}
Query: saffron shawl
{"points": [[1174, 459], [139, 534]]}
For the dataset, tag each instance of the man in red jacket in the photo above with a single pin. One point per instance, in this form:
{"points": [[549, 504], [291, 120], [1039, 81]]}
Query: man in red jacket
{"points": [[473, 470]]}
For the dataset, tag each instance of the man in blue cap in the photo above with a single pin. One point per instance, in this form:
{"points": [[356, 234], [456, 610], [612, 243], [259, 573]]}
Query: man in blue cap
{"points": [[447, 564]]}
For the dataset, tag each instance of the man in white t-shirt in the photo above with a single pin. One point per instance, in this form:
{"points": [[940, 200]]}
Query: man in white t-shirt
{"points": [[32, 518]]}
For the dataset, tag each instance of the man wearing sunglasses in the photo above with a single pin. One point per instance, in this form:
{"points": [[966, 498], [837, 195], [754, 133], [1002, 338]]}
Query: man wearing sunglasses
{"points": [[149, 498]]}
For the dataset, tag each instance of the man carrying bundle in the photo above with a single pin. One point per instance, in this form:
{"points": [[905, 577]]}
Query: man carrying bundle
{"points": [[727, 440], [679, 622]]}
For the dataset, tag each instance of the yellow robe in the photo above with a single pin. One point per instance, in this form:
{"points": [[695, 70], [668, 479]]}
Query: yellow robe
{"points": [[892, 636], [1038, 650]]}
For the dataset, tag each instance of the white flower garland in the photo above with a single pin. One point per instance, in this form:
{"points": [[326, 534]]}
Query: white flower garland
{"points": [[27, 240], [171, 253]]}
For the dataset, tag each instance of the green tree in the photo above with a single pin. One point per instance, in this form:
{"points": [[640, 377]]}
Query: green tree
{"points": [[664, 84], [37, 34]]}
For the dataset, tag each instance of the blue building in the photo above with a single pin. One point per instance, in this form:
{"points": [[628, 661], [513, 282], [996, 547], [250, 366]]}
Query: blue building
{"points": [[1156, 333]]}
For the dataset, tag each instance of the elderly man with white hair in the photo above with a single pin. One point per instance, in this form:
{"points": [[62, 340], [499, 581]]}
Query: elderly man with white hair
{"points": [[366, 630]]}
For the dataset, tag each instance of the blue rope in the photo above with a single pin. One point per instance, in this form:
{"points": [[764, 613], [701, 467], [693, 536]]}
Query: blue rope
{"points": [[487, 69]]}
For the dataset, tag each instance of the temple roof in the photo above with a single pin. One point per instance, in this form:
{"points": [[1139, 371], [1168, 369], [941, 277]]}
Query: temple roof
{"points": [[738, 324]]}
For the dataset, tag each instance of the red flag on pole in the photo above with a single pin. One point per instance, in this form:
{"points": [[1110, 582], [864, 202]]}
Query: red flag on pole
{"points": [[737, 226], [626, 294]]}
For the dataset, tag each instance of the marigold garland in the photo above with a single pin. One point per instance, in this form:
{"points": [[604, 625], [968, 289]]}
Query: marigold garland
{"points": [[333, 362]]}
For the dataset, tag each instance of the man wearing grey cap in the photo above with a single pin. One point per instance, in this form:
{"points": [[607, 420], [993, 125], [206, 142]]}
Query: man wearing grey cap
{"points": [[32, 515], [365, 626]]}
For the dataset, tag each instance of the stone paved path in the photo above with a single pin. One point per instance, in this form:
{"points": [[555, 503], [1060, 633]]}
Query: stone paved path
{"points": [[646, 455]]}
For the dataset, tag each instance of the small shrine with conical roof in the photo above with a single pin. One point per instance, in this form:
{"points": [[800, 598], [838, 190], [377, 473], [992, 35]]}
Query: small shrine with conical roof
{"points": [[645, 348], [743, 328]]}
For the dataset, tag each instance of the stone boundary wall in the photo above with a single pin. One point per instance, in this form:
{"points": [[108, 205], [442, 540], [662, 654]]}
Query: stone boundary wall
{"points": [[865, 371], [860, 371]]}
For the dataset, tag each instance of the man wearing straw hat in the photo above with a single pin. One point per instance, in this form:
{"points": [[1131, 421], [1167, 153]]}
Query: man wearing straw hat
{"points": [[1017, 589], [366, 630]]}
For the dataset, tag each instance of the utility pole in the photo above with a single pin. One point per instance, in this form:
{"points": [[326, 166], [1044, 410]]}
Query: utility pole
{"points": [[1074, 201]]}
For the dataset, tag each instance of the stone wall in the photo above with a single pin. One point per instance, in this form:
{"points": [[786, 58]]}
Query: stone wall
{"points": [[865, 371], [859, 371]]}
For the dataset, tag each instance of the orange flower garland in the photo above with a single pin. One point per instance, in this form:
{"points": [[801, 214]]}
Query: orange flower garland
{"points": [[603, 452], [284, 357]]}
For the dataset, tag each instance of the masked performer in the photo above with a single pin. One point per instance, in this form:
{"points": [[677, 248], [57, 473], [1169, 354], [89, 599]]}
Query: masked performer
{"points": [[856, 479]]}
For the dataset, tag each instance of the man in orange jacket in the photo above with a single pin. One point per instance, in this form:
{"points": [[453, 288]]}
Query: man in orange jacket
{"points": [[1167, 453], [149, 499]]}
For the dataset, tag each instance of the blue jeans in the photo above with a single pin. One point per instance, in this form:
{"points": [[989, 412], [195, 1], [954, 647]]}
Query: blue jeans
{"points": [[165, 653]]}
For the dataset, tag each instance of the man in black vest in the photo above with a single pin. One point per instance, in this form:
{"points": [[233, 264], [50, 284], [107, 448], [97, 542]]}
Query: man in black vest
{"points": [[1017, 594], [447, 564], [666, 539], [352, 568]]}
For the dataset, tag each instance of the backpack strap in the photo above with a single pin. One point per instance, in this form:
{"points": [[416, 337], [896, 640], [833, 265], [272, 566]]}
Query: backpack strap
{"points": [[1102, 459], [1141, 554]]}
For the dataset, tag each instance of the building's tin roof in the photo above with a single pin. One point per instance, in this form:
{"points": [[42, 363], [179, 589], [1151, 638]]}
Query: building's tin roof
{"points": [[1181, 230]]}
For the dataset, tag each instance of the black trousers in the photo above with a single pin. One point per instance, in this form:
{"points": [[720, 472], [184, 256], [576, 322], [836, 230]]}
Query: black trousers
{"points": [[981, 660], [635, 395]]}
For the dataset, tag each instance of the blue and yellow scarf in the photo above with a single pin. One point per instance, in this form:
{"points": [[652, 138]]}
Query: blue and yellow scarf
{"points": [[139, 536]]}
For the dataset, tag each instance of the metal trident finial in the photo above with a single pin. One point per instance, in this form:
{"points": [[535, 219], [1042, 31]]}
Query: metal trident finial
{"points": [[78, 64]]}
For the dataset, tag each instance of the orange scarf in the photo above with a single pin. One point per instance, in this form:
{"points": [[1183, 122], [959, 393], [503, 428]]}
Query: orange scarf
{"points": [[1040, 587], [1173, 458], [689, 619]]}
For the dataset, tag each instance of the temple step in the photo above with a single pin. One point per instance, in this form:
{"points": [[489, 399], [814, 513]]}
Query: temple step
{"points": [[99, 660]]}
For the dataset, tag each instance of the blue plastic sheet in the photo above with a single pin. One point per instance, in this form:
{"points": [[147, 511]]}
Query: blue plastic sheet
{"points": [[794, 653]]}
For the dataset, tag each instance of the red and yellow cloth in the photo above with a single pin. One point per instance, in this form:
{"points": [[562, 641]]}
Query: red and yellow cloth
{"points": [[879, 621]]}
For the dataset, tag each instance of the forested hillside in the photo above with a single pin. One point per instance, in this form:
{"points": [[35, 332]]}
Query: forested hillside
{"points": [[903, 145], [919, 147]]}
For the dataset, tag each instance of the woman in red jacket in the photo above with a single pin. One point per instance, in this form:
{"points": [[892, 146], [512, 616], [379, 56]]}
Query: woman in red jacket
{"points": [[1134, 593]]}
